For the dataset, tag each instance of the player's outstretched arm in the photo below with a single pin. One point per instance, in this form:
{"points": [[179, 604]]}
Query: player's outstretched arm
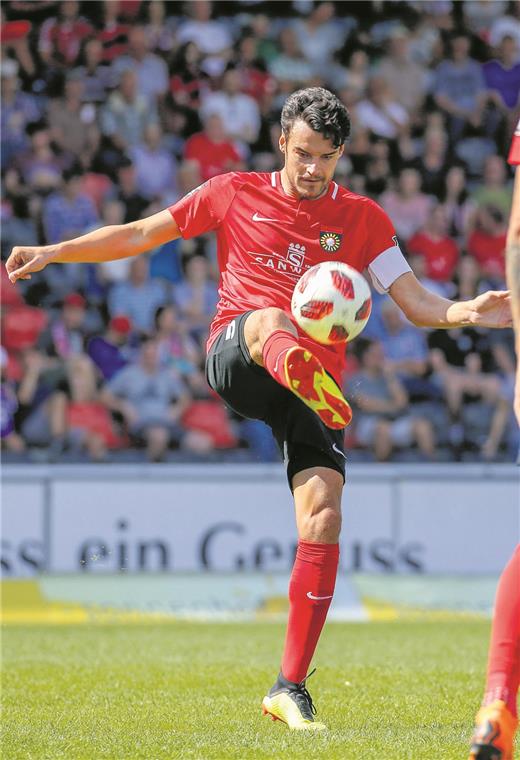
{"points": [[106, 244], [426, 309]]}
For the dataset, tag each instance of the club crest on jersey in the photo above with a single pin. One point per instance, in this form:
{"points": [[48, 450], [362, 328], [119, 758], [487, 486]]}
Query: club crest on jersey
{"points": [[330, 240]]}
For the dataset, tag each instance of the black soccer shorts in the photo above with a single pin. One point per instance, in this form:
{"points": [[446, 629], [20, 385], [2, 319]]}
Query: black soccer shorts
{"points": [[249, 390]]}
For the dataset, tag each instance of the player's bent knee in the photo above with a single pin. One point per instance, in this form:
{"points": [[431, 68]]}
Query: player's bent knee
{"points": [[321, 527]]}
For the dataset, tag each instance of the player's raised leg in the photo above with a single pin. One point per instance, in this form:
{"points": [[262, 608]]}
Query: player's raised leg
{"points": [[317, 496], [497, 720], [272, 341]]}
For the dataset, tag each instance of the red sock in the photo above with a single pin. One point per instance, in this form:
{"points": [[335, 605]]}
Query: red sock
{"points": [[273, 352], [503, 676], [310, 594]]}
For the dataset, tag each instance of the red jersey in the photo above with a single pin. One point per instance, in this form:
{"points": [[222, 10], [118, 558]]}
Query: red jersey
{"points": [[266, 240]]}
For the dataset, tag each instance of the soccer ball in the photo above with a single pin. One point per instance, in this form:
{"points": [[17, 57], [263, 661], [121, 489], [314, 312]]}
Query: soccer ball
{"points": [[331, 302]]}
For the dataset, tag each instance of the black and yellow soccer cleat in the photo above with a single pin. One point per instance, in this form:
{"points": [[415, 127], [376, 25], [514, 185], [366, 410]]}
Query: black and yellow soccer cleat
{"points": [[292, 704], [494, 735]]}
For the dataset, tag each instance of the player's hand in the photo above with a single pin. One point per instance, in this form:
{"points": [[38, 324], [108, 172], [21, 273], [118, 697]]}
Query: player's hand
{"points": [[491, 309], [26, 259]]}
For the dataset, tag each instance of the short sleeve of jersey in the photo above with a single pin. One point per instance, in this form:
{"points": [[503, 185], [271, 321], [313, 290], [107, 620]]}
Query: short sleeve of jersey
{"points": [[383, 257], [514, 153], [204, 208]]}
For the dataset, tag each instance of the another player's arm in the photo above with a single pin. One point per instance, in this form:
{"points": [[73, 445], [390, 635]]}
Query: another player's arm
{"points": [[426, 309], [105, 244], [513, 278]]}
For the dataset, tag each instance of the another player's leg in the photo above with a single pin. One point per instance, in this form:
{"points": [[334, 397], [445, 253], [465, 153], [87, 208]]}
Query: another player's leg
{"points": [[317, 496], [272, 341], [497, 720]]}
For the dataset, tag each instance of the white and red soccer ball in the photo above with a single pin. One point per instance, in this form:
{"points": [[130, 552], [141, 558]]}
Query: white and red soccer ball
{"points": [[331, 302]]}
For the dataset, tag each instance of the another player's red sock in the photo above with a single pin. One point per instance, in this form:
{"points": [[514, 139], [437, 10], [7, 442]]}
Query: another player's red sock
{"points": [[310, 594], [274, 351], [503, 676]]}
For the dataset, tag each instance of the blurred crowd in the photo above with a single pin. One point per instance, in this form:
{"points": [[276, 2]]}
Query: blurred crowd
{"points": [[114, 110]]}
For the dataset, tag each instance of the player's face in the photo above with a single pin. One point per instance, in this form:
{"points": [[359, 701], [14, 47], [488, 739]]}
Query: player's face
{"points": [[310, 161]]}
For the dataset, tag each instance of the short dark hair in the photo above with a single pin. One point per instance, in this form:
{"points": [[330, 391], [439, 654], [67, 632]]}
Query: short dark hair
{"points": [[320, 110]]}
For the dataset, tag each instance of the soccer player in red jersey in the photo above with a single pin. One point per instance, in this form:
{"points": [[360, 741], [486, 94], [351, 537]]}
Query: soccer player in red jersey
{"points": [[271, 227], [497, 720]]}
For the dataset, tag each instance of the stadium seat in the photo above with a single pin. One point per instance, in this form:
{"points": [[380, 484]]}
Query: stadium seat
{"points": [[21, 327], [93, 417]]}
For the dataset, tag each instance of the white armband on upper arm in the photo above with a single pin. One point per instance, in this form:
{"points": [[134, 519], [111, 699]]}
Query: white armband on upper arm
{"points": [[387, 267]]}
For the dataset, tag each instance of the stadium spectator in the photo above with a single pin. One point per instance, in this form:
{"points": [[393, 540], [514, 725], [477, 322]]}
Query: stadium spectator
{"points": [[89, 425], [380, 112], [110, 352], [66, 335], [175, 345], [17, 110], [42, 397], [211, 36], [10, 439], [60, 38], [188, 82], [96, 75], [487, 243], [384, 419], [493, 190], [319, 34], [433, 161], [506, 26], [69, 117], [127, 113], [155, 167], [239, 112], [68, 212], [455, 200], [196, 297], [41, 165], [113, 34], [19, 225], [151, 71], [151, 402], [479, 16], [502, 75], [290, 67], [407, 206], [256, 81], [406, 351], [211, 149], [459, 88], [138, 297], [406, 78], [433, 243], [127, 191], [159, 29]]}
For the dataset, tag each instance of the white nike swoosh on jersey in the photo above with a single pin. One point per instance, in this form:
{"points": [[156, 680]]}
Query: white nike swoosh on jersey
{"points": [[257, 218], [338, 451], [319, 598]]}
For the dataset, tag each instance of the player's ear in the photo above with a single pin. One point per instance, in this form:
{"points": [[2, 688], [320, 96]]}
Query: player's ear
{"points": [[282, 142], [341, 150]]}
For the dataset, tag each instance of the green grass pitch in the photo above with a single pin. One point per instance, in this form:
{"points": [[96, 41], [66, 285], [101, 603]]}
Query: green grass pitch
{"points": [[193, 690]]}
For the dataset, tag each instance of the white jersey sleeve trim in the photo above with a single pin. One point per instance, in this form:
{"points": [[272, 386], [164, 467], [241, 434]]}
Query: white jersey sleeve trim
{"points": [[387, 267]]}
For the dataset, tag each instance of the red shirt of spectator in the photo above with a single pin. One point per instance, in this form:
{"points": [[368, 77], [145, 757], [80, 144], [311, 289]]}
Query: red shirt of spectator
{"points": [[487, 243], [440, 253], [212, 151], [61, 38]]}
